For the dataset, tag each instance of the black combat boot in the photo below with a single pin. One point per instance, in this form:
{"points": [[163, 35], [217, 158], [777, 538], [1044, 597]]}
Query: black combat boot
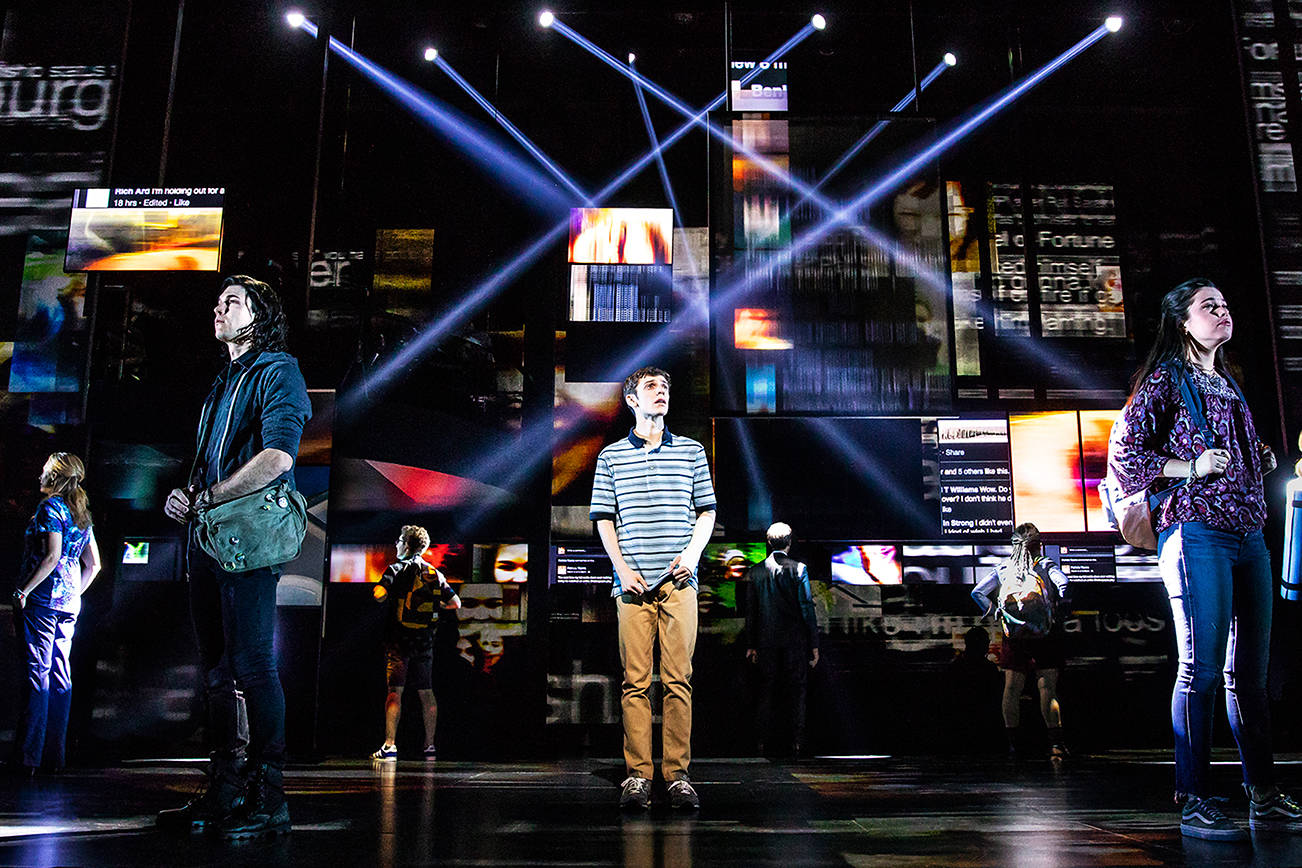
{"points": [[263, 810], [215, 802]]}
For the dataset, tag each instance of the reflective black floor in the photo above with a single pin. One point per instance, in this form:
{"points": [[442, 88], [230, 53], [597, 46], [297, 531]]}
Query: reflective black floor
{"points": [[1109, 810]]}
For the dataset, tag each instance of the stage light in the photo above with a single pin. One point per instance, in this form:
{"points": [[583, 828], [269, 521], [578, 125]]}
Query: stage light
{"points": [[950, 59], [295, 18], [1113, 23], [724, 297], [431, 53], [546, 19], [476, 298], [818, 22], [632, 57], [768, 166], [508, 169]]}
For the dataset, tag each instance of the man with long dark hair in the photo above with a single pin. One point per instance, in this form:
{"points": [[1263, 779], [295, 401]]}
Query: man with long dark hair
{"points": [[248, 438]]}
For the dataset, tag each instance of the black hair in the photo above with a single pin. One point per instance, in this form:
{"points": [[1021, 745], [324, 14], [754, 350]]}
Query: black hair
{"points": [[630, 383], [1172, 342], [270, 327]]}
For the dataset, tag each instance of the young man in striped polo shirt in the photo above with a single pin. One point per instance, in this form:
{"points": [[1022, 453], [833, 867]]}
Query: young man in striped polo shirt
{"points": [[653, 503]]}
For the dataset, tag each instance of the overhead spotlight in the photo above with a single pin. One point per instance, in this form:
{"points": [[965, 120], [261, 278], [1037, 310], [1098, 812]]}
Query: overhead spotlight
{"points": [[1113, 23], [818, 21], [431, 53], [950, 59], [294, 18], [546, 18], [631, 57]]}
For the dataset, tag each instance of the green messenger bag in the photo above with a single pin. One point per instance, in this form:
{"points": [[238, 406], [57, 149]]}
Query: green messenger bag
{"points": [[264, 528]]}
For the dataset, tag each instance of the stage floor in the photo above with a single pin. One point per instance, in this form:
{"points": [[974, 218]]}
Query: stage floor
{"points": [[862, 811]]}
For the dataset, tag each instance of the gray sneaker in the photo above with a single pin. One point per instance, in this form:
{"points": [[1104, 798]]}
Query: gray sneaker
{"points": [[1203, 818], [635, 794], [682, 796], [1278, 813]]}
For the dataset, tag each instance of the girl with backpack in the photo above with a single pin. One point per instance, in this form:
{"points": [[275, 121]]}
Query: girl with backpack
{"points": [[1211, 552], [1026, 590]]}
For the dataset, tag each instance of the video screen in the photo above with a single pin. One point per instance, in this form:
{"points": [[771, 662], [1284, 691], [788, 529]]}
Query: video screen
{"points": [[621, 236], [765, 92], [1136, 565], [366, 563], [868, 564], [723, 566], [759, 329], [504, 563], [157, 559], [1084, 563], [145, 229], [1047, 485], [135, 552], [762, 217], [1095, 428], [621, 293], [939, 564], [581, 564]]}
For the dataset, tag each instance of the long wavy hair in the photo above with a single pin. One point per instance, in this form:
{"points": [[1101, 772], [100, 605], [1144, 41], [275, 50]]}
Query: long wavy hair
{"points": [[62, 475], [270, 328], [1173, 342], [1026, 549]]}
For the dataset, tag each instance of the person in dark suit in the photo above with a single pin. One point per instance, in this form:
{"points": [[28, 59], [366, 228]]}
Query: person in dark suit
{"points": [[782, 636]]}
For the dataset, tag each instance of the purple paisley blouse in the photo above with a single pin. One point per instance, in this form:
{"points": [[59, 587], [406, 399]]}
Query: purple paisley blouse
{"points": [[1156, 425]]}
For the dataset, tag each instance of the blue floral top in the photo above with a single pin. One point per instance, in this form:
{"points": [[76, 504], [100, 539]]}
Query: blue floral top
{"points": [[61, 590]]}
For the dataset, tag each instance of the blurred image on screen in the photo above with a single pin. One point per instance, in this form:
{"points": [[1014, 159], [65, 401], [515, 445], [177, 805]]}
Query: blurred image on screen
{"points": [[621, 236], [867, 564], [144, 239], [1047, 487]]}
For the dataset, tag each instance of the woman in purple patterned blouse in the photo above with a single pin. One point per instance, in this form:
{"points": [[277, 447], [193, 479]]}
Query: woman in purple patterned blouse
{"points": [[1212, 555]]}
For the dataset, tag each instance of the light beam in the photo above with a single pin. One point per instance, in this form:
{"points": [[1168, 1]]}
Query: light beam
{"points": [[511, 129], [478, 296]]}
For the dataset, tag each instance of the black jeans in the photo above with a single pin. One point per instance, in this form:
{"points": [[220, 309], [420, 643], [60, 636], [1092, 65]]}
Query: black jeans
{"points": [[234, 620]]}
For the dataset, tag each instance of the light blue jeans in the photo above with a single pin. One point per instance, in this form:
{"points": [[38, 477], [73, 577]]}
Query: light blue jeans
{"points": [[1220, 587]]}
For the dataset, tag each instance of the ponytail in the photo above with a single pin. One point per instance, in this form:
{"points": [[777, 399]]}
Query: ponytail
{"points": [[62, 476], [1026, 549]]}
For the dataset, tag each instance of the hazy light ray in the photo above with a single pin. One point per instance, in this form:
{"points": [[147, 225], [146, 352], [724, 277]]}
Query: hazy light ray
{"points": [[754, 469], [727, 294], [511, 172], [513, 130], [893, 178], [900, 106], [479, 296], [875, 238], [664, 173], [862, 461]]}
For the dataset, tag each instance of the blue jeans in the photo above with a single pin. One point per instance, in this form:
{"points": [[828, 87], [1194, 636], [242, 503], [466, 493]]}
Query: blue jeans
{"points": [[1220, 587], [43, 729], [235, 621]]}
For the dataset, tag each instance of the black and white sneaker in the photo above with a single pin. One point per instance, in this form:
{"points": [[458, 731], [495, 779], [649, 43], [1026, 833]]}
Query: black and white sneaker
{"points": [[1278, 813], [1203, 818], [682, 796], [635, 794]]}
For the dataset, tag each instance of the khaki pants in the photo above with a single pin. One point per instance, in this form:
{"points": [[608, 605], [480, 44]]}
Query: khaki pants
{"points": [[670, 615]]}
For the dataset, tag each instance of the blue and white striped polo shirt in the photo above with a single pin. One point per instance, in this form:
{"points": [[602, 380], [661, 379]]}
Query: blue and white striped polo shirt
{"points": [[653, 496]]}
